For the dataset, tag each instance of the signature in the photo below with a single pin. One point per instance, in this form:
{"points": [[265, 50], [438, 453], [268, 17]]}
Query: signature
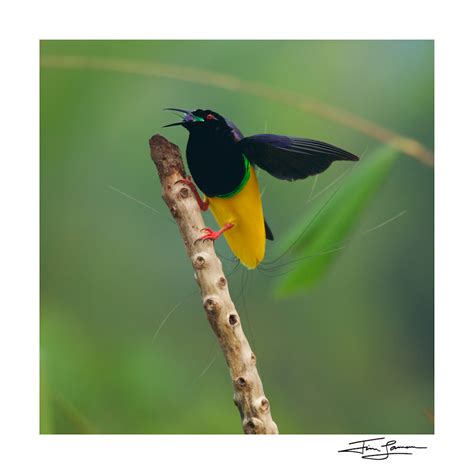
{"points": [[378, 450]]}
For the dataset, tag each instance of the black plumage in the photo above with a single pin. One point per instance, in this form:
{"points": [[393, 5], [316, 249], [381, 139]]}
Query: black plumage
{"points": [[291, 158], [216, 164], [216, 149], [219, 157]]}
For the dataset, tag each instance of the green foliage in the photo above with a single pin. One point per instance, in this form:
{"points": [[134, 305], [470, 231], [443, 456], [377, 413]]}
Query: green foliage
{"points": [[112, 269], [323, 231]]}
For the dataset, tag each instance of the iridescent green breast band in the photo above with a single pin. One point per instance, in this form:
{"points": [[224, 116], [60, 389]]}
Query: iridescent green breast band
{"points": [[242, 183]]}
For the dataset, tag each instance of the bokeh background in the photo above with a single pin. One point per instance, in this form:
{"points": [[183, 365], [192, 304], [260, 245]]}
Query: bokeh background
{"points": [[354, 354]]}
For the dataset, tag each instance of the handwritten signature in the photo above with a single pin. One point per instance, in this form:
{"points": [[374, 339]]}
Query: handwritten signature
{"points": [[377, 450]]}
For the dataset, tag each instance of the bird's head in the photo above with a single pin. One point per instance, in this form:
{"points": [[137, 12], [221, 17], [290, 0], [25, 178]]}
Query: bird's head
{"points": [[199, 120]]}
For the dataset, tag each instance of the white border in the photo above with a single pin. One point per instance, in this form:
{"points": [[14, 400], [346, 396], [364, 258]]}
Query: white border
{"points": [[23, 450]]}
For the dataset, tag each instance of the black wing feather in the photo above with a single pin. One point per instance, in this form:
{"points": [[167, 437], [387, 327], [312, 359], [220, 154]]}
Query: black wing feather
{"points": [[268, 231], [291, 158]]}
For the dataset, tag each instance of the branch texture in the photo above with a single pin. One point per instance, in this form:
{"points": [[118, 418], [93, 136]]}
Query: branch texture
{"points": [[254, 407]]}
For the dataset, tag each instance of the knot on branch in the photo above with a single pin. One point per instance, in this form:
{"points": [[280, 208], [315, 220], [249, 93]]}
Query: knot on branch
{"points": [[253, 426], [184, 193], [241, 383], [199, 260], [262, 405], [212, 305], [233, 320]]}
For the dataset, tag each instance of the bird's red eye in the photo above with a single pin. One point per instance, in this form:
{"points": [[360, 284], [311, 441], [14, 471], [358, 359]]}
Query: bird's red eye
{"points": [[210, 117]]}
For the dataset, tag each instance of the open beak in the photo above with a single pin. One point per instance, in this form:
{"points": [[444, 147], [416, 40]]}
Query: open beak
{"points": [[187, 117]]}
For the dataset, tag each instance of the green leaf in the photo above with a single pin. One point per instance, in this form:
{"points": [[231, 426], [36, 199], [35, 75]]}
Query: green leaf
{"points": [[328, 224]]}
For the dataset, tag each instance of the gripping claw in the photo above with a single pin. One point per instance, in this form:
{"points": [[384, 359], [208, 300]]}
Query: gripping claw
{"points": [[213, 235], [203, 205]]}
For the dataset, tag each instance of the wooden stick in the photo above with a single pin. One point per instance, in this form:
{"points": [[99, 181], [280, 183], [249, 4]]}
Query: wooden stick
{"points": [[254, 407]]}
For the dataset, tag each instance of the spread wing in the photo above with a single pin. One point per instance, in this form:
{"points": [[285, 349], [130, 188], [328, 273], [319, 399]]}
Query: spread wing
{"points": [[291, 158]]}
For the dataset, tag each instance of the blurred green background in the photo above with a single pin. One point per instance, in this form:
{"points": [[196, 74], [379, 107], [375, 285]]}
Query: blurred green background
{"points": [[354, 354]]}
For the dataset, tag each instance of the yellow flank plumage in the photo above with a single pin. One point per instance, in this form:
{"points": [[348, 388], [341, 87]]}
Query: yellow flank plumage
{"points": [[247, 238]]}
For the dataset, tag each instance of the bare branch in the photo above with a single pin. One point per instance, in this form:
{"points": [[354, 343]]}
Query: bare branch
{"points": [[249, 397]]}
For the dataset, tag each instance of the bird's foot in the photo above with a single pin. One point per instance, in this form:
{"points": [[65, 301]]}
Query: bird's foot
{"points": [[214, 235], [203, 205]]}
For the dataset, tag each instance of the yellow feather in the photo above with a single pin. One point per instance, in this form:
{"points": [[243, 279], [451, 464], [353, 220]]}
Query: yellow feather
{"points": [[247, 238]]}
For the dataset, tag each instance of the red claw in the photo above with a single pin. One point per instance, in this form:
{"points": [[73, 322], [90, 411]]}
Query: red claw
{"points": [[213, 235], [203, 205]]}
